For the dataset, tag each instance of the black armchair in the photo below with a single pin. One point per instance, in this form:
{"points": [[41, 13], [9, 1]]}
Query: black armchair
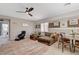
{"points": [[21, 36]]}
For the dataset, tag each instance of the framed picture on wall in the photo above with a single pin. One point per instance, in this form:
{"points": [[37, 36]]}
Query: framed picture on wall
{"points": [[73, 23], [37, 26], [56, 24], [50, 25]]}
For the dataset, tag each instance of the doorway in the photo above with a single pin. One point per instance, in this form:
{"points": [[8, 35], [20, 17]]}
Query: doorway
{"points": [[4, 31]]}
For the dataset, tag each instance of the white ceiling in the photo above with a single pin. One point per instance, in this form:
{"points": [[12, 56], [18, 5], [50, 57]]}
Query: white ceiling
{"points": [[41, 10]]}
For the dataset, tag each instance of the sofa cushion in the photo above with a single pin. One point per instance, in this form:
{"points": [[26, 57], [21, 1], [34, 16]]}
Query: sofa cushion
{"points": [[45, 38], [47, 34]]}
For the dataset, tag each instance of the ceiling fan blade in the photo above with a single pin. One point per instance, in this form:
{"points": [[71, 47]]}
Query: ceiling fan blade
{"points": [[30, 9], [30, 14], [20, 11]]}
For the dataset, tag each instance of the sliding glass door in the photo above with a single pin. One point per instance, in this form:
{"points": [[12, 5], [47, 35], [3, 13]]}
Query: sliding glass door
{"points": [[4, 31]]}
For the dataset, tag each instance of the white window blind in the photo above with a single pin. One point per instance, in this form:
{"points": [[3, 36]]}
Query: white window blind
{"points": [[44, 27]]}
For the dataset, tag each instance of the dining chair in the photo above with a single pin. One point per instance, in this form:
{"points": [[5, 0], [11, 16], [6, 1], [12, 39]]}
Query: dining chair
{"points": [[76, 45], [63, 41]]}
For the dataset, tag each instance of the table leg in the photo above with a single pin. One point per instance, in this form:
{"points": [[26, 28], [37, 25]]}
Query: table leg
{"points": [[71, 45]]}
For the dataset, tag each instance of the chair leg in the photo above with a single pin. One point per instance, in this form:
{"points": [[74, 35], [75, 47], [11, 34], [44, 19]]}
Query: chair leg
{"points": [[74, 49], [58, 44], [70, 47], [62, 47]]}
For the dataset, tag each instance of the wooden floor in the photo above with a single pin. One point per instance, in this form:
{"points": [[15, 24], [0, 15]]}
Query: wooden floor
{"points": [[31, 47]]}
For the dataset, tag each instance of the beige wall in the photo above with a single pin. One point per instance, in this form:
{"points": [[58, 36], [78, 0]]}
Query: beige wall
{"points": [[62, 28], [16, 26], [63, 20]]}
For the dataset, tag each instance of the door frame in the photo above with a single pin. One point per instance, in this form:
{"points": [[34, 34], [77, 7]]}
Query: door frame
{"points": [[2, 19]]}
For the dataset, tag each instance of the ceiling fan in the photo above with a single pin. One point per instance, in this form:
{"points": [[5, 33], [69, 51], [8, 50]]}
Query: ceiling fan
{"points": [[67, 4], [28, 10]]}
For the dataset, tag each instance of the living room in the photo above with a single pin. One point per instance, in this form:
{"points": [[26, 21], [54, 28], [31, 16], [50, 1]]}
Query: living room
{"points": [[34, 27]]}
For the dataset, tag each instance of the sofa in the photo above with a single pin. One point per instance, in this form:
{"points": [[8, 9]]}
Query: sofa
{"points": [[49, 38], [35, 36]]}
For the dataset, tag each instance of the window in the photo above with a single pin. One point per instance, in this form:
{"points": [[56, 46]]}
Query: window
{"points": [[44, 27]]}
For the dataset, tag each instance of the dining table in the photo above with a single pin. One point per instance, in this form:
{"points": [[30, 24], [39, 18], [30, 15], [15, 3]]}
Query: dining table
{"points": [[72, 37]]}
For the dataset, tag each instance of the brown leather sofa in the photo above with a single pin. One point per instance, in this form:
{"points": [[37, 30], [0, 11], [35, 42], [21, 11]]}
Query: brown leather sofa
{"points": [[34, 37], [49, 38]]}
